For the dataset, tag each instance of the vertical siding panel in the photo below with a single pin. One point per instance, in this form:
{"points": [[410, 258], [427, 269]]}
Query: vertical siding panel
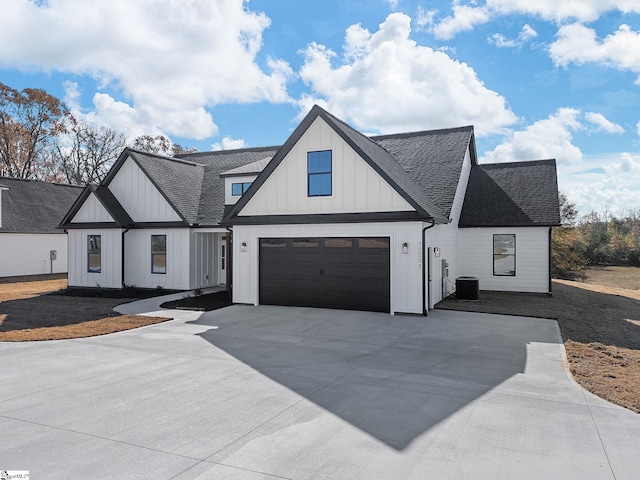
{"points": [[291, 177], [139, 197]]}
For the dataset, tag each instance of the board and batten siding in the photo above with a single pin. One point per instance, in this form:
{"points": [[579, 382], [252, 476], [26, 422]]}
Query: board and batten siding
{"points": [[139, 197], [356, 186], [475, 258], [92, 211], [110, 275], [29, 254], [138, 259], [205, 259], [406, 269]]}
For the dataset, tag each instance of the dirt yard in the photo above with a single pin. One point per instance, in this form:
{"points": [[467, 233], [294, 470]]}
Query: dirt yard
{"points": [[28, 313], [600, 327]]}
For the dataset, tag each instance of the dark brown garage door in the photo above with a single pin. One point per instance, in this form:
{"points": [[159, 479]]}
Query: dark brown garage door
{"points": [[345, 273]]}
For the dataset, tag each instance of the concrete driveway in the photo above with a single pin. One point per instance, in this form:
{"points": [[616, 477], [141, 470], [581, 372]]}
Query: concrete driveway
{"points": [[274, 392]]}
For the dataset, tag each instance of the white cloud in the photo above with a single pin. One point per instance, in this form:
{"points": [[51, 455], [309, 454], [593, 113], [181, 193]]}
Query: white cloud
{"points": [[560, 11], [638, 128], [614, 182], [389, 83], [548, 138], [393, 4], [526, 34], [71, 94], [579, 44], [603, 124], [228, 143], [467, 16], [464, 18], [169, 59]]}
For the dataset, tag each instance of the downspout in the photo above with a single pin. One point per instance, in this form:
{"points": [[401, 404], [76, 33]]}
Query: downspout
{"points": [[123, 262], [425, 267], [229, 260], [550, 257]]}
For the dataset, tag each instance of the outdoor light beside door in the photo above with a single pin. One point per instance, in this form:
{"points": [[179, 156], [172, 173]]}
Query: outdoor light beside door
{"points": [[405, 247], [243, 247]]}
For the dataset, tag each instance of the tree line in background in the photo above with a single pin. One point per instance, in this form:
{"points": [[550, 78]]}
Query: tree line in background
{"points": [[593, 239], [41, 139]]}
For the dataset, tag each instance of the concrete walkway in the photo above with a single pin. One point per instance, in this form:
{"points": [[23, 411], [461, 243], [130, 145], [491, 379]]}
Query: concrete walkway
{"points": [[273, 392]]}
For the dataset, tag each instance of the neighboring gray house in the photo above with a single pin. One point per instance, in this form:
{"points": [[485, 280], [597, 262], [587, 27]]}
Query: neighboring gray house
{"points": [[332, 218], [30, 211]]}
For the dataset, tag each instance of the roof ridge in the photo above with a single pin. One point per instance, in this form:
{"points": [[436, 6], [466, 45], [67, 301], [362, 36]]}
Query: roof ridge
{"points": [[37, 180], [422, 132], [519, 163], [229, 151]]}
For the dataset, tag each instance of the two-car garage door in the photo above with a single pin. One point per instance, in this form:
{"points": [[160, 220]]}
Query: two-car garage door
{"points": [[345, 273]]}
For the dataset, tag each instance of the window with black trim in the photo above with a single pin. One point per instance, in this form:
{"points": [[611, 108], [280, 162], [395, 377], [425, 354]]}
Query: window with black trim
{"points": [[319, 173], [504, 255], [94, 254], [238, 189], [158, 254]]}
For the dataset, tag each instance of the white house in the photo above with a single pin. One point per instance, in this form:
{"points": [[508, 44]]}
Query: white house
{"points": [[154, 222], [332, 218], [30, 243]]}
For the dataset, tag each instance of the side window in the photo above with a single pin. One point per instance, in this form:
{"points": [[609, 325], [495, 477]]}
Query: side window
{"points": [[94, 254], [504, 255], [238, 189], [319, 173], [158, 254]]}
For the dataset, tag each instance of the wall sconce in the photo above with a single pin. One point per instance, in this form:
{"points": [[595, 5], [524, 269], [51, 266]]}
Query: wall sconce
{"points": [[436, 252], [405, 247], [243, 247]]}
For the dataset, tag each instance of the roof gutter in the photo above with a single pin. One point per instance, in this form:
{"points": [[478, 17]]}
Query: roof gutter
{"points": [[425, 266]]}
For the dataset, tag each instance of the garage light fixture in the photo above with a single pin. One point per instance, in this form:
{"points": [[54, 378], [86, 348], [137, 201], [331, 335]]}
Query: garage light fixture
{"points": [[243, 247], [405, 247]]}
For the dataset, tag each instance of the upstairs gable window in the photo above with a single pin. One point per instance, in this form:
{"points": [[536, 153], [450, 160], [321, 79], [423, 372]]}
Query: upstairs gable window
{"points": [[238, 189], [319, 173]]}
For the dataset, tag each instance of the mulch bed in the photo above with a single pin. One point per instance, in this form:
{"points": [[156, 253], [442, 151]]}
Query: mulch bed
{"points": [[201, 303]]}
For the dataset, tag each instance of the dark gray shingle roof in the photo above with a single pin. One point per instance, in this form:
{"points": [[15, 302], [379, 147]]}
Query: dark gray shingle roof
{"points": [[511, 195], [433, 159], [32, 206], [211, 198]]}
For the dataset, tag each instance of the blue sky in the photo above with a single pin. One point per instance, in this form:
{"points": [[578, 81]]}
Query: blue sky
{"points": [[543, 79]]}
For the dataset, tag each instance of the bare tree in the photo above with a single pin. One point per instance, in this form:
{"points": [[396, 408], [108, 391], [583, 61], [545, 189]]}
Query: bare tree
{"points": [[29, 122], [84, 153]]}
